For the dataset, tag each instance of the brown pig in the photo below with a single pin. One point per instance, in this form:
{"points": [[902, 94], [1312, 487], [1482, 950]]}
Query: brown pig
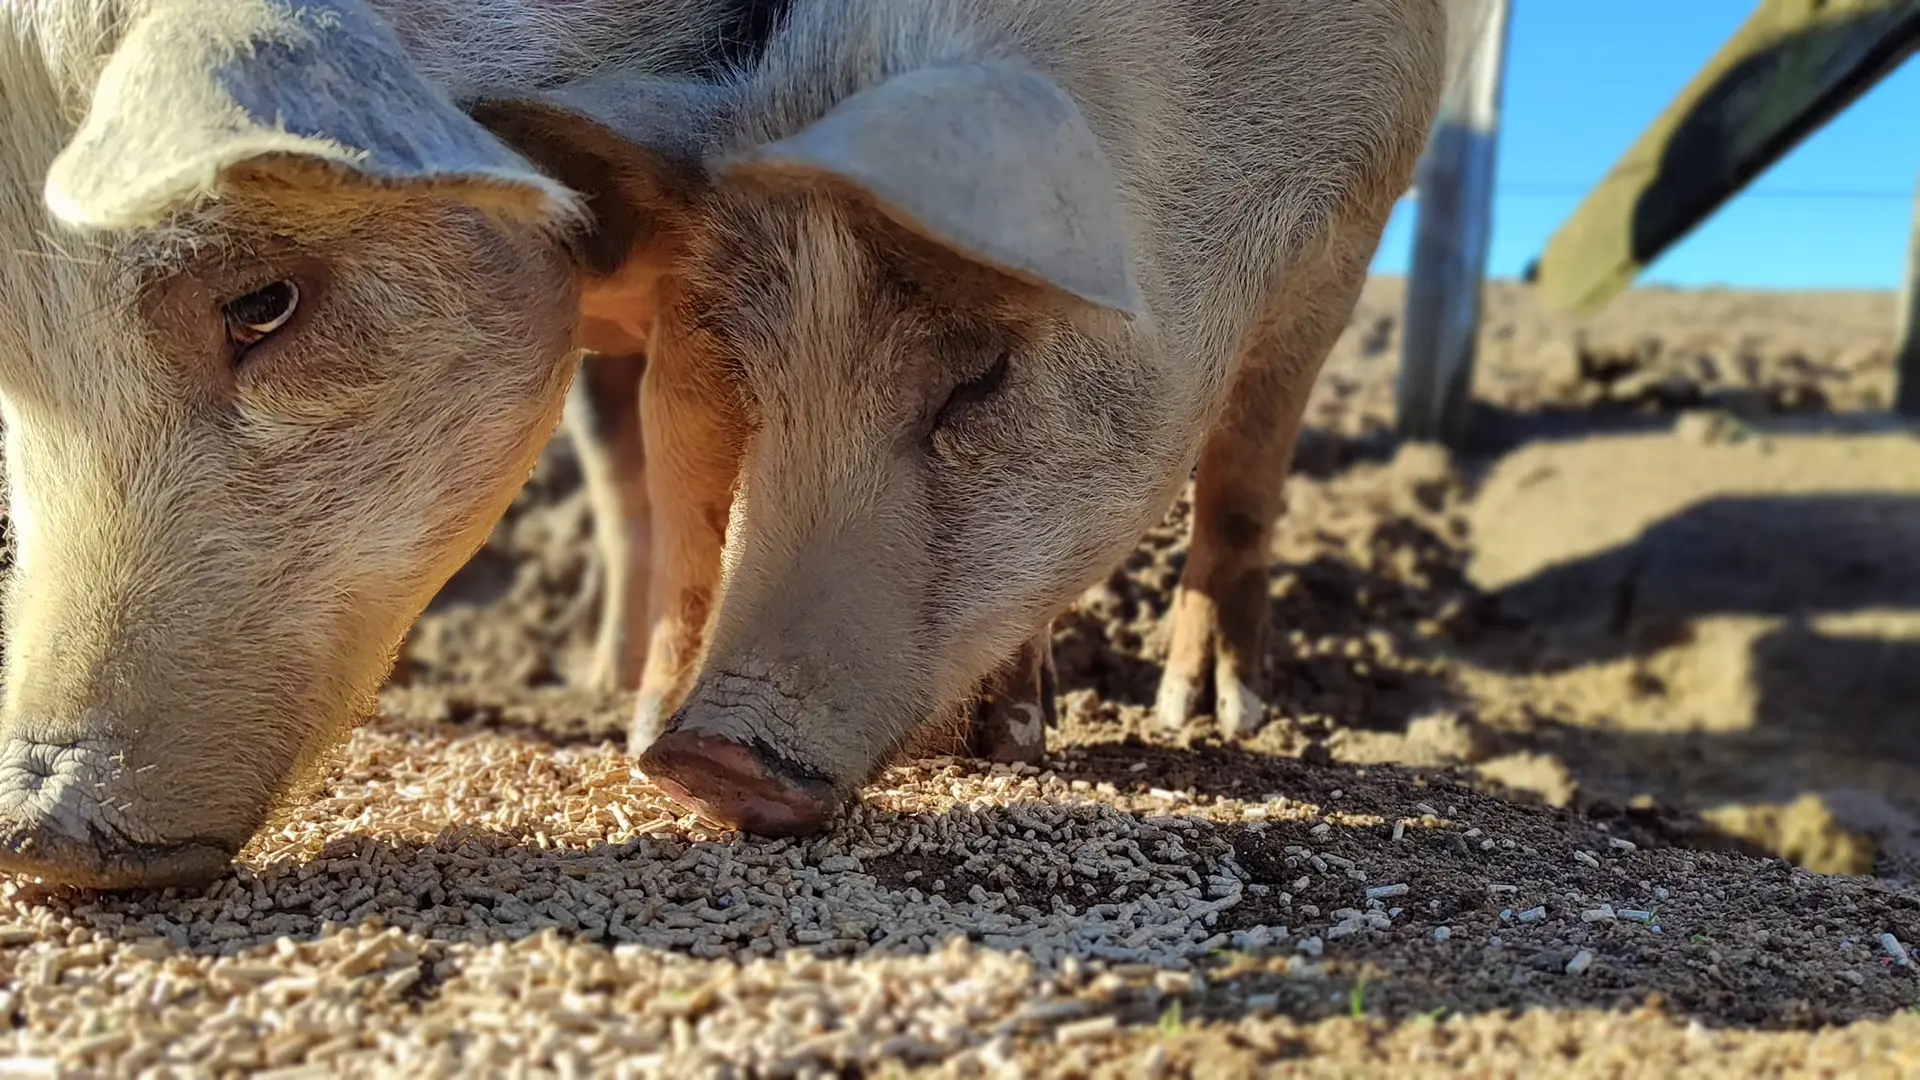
{"points": [[945, 304]]}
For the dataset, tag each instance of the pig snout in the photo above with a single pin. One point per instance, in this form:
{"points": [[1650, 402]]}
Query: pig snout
{"points": [[718, 757], [71, 812]]}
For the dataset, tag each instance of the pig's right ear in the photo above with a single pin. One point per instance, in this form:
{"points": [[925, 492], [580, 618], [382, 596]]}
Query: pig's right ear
{"points": [[996, 163]]}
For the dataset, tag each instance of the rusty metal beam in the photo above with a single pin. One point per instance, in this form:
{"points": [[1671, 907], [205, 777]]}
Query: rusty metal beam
{"points": [[1787, 71]]}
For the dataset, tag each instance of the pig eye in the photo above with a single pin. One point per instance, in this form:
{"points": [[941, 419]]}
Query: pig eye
{"points": [[251, 318], [973, 391]]}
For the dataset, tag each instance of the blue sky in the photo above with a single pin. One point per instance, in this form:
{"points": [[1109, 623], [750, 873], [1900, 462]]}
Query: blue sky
{"points": [[1585, 77]]}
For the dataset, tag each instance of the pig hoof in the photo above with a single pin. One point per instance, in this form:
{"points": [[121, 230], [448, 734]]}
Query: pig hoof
{"points": [[1239, 710], [1010, 732], [739, 786], [1173, 705]]}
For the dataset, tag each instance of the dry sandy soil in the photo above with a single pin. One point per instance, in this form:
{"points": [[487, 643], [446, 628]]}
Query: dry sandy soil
{"points": [[1596, 752]]}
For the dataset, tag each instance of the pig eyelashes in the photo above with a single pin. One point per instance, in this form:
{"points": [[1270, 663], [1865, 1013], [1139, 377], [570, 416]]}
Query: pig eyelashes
{"points": [[973, 391], [254, 317]]}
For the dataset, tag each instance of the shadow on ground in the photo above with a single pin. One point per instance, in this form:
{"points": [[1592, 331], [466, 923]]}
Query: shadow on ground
{"points": [[1716, 658]]}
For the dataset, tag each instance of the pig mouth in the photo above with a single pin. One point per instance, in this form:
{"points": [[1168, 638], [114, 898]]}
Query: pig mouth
{"points": [[59, 823], [106, 862], [743, 784]]}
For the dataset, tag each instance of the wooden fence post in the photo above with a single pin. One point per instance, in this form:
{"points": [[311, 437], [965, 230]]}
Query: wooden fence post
{"points": [[1906, 365], [1453, 225]]}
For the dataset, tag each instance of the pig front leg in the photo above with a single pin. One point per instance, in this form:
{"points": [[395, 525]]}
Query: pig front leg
{"points": [[603, 420], [1010, 720], [1221, 609]]}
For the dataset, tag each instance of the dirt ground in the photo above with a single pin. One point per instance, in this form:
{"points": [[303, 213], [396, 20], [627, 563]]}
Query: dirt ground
{"points": [[1596, 751]]}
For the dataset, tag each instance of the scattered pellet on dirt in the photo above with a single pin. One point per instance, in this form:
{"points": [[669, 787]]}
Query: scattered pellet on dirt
{"points": [[1442, 933], [1533, 914], [1399, 831], [1893, 947], [1636, 915], [1603, 913], [1080, 1031], [1387, 892], [25, 1067], [1586, 858], [1581, 961]]}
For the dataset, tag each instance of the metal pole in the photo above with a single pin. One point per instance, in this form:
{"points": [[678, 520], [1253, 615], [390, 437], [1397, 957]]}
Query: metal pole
{"points": [[1906, 365], [1454, 189]]}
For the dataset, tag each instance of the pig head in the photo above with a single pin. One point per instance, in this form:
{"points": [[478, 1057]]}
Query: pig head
{"points": [[922, 309], [282, 331]]}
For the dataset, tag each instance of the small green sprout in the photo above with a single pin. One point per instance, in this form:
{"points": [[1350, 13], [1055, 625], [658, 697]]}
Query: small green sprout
{"points": [[1171, 1022]]}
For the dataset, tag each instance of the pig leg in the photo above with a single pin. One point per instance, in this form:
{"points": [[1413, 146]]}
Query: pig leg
{"points": [[1009, 723], [603, 419], [1221, 608], [694, 442]]}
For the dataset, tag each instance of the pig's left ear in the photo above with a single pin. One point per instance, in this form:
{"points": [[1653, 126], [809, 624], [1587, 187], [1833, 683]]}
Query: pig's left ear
{"points": [[630, 146], [316, 93], [995, 163]]}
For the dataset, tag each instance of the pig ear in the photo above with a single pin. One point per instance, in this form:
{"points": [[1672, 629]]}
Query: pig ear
{"points": [[630, 146], [316, 92], [997, 164]]}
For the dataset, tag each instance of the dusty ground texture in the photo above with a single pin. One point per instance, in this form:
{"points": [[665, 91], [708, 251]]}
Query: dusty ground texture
{"points": [[1594, 752]]}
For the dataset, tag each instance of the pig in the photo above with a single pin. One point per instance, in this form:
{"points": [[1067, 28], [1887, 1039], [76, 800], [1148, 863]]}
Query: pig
{"points": [[946, 308], [282, 330], [907, 319]]}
